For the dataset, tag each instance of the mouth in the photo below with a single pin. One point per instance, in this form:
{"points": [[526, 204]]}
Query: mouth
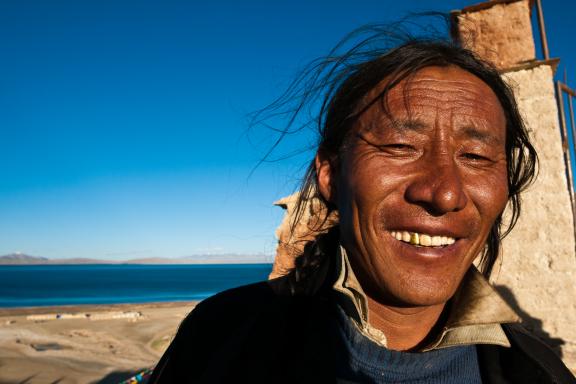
{"points": [[423, 239]]}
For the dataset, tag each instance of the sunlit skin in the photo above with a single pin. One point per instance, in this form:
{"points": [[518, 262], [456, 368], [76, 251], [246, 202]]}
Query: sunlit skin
{"points": [[436, 164]]}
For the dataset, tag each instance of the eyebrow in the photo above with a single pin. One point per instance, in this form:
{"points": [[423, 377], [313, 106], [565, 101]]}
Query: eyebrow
{"points": [[476, 134], [408, 125]]}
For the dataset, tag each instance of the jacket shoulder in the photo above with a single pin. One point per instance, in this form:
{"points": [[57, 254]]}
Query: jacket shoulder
{"points": [[539, 352], [240, 300], [227, 333], [253, 331], [220, 317], [528, 360]]}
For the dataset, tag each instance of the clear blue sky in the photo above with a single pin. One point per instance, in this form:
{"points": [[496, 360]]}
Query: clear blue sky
{"points": [[123, 122]]}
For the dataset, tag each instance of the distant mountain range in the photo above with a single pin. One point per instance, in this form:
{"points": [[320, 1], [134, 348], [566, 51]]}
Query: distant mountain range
{"points": [[22, 259]]}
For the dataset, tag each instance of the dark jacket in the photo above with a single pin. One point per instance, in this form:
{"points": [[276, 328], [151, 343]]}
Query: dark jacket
{"points": [[279, 332], [253, 334]]}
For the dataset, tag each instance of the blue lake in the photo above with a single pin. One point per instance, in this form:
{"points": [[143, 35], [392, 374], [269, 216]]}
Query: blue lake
{"points": [[41, 285]]}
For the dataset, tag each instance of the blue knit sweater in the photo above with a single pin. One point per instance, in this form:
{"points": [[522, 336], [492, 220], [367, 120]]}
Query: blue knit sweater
{"points": [[360, 360]]}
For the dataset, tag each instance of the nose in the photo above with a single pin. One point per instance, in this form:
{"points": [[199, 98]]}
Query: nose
{"points": [[439, 188]]}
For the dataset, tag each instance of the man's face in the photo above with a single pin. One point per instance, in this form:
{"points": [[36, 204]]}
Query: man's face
{"points": [[418, 189]]}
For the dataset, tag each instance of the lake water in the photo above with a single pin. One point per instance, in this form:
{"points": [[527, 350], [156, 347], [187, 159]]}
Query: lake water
{"points": [[41, 285]]}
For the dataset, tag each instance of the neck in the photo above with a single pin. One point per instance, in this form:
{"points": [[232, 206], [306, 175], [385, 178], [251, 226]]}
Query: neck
{"points": [[405, 328]]}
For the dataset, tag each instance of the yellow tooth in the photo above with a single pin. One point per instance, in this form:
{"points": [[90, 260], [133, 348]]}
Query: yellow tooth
{"points": [[422, 239], [425, 240]]}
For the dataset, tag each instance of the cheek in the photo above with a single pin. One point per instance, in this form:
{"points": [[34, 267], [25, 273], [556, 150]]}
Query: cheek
{"points": [[359, 191], [490, 195], [363, 190]]}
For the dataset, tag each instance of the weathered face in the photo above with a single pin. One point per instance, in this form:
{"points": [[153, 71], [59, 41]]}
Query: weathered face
{"points": [[418, 189]]}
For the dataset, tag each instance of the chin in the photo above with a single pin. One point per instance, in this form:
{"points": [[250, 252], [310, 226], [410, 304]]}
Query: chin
{"points": [[426, 299], [421, 292]]}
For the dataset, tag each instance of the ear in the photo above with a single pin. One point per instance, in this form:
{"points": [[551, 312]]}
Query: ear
{"points": [[325, 177]]}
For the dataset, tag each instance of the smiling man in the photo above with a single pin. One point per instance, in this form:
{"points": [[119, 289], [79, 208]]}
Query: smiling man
{"points": [[421, 183], [421, 149]]}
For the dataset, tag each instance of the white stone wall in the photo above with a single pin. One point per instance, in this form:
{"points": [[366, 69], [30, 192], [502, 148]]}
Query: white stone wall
{"points": [[539, 260]]}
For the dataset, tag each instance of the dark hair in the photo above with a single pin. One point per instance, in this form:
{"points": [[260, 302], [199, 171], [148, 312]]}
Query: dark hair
{"points": [[340, 82]]}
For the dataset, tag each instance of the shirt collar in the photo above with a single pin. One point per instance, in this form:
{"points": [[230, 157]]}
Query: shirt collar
{"points": [[475, 316]]}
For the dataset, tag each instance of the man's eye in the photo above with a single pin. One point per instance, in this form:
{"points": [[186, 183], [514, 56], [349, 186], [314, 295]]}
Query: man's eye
{"points": [[397, 146], [397, 150], [476, 157]]}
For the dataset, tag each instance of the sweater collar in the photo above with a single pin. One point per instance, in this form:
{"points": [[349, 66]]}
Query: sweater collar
{"points": [[475, 316]]}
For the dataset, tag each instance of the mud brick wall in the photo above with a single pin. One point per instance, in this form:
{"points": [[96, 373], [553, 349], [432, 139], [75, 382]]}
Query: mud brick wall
{"points": [[499, 33]]}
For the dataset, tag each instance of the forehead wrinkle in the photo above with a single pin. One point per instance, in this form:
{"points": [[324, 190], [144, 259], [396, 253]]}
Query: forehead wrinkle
{"points": [[413, 107], [469, 106], [444, 90], [457, 85], [441, 98], [461, 105]]}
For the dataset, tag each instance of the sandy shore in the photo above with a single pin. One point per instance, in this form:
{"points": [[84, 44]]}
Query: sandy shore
{"points": [[85, 344]]}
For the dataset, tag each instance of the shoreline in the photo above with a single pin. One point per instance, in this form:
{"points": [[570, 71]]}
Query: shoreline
{"points": [[78, 349], [43, 309]]}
